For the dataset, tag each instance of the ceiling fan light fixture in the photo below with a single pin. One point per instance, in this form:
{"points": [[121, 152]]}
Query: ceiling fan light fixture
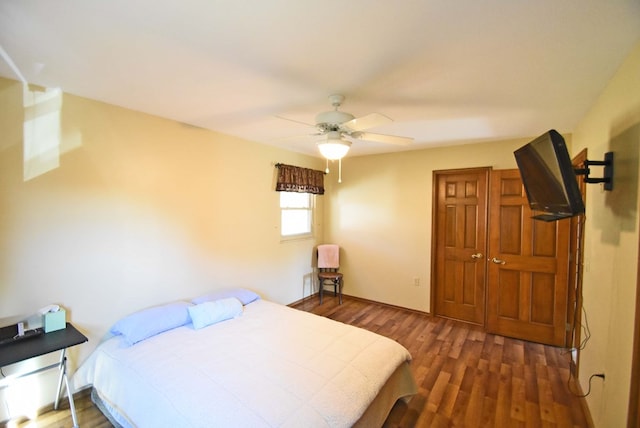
{"points": [[334, 148]]}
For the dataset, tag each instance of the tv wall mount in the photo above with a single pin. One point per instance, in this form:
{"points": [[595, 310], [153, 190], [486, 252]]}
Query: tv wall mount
{"points": [[607, 178]]}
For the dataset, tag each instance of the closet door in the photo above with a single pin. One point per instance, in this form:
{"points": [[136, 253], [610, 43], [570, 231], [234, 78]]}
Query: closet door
{"points": [[460, 232], [527, 266]]}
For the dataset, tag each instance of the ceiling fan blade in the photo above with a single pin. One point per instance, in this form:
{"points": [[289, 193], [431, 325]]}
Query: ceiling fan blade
{"points": [[296, 121], [365, 122], [382, 138]]}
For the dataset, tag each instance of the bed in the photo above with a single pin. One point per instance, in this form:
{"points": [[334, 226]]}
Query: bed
{"points": [[245, 362]]}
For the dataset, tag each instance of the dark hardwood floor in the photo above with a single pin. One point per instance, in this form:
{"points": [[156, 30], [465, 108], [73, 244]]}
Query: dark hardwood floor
{"points": [[466, 378]]}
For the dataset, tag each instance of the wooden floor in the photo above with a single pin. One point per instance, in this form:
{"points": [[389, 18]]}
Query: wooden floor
{"points": [[466, 378], [89, 416]]}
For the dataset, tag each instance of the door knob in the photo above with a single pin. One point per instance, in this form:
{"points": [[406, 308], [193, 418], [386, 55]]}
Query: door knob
{"points": [[476, 256], [498, 261]]}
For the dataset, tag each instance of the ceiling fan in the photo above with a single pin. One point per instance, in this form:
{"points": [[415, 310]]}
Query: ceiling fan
{"points": [[338, 129]]}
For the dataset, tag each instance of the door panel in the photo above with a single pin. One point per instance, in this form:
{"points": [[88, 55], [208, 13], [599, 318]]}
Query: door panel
{"points": [[460, 244], [528, 267], [576, 244]]}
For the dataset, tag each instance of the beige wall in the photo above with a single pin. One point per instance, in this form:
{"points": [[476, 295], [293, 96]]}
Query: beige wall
{"points": [[381, 215], [140, 211], [611, 244]]}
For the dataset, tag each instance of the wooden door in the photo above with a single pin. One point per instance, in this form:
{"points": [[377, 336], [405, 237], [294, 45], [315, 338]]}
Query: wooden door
{"points": [[633, 417], [460, 205], [527, 268], [576, 256]]}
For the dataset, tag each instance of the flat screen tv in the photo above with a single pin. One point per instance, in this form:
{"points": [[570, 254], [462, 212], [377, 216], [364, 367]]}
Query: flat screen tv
{"points": [[549, 177]]}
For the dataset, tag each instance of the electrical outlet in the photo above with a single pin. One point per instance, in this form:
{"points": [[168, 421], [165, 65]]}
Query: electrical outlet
{"points": [[416, 281]]}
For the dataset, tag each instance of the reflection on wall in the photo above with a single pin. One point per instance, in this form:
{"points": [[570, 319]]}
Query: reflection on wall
{"points": [[41, 130]]}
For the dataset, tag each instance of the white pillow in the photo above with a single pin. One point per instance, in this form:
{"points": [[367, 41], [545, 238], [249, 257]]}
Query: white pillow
{"points": [[212, 312]]}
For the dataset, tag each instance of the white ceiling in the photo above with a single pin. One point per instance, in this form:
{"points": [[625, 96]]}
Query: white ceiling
{"points": [[447, 71]]}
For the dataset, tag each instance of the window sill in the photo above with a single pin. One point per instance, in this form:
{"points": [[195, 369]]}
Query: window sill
{"points": [[291, 238]]}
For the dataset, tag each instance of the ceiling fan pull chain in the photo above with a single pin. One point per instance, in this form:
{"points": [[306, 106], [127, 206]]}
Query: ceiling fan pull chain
{"points": [[339, 170], [327, 168]]}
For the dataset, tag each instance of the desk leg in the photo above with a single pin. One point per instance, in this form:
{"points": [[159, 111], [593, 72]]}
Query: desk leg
{"points": [[61, 373], [63, 376]]}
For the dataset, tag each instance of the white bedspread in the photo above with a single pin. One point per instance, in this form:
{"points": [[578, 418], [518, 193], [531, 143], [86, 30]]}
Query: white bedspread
{"points": [[273, 366]]}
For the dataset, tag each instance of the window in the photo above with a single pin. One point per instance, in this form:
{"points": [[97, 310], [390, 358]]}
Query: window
{"points": [[296, 215]]}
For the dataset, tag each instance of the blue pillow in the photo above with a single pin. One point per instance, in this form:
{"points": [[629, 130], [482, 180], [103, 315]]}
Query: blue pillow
{"points": [[149, 322], [245, 296], [212, 312]]}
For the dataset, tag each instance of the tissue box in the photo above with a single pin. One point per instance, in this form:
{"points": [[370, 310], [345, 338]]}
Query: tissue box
{"points": [[55, 321]]}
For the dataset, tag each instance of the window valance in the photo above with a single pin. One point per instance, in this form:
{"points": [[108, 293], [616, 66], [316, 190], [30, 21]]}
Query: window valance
{"points": [[296, 179]]}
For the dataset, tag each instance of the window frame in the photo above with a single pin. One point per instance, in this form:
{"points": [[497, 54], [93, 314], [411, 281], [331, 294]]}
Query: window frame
{"points": [[311, 209]]}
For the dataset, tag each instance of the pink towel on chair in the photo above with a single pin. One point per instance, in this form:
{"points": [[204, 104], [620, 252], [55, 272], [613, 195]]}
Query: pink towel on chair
{"points": [[328, 256]]}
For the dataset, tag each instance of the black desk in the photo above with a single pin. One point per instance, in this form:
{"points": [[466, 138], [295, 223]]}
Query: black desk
{"points": [[58, 340]]}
